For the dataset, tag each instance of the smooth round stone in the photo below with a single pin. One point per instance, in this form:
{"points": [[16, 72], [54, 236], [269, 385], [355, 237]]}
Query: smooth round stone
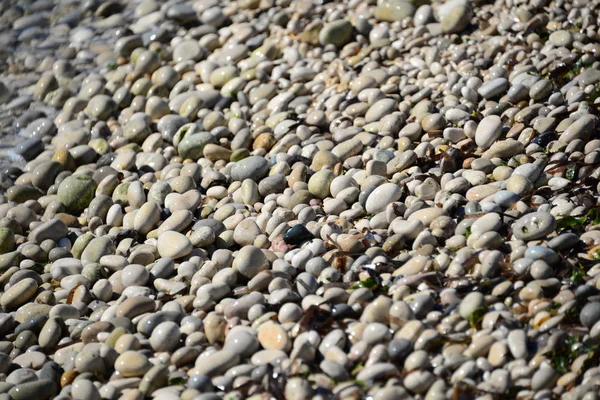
{"points": [[254, 167], [134, 275], [136, 130], [427, 215], [264, 357], [456, 16], [201, 383], [96, 249], [182, 13], [544, 378], [203, 236], [383, 195], [319, 184], [91, 362], [517, 343], [134, 306], [19, 294], [178, 221], [147, 217], [493, 88], [517, 92], [470, 304], [561, 38], [249, 261], [529, 171], [101, 107], [165, 337], [394, 10], [242, 342], [375, 333], [488, 131], [50, 333], [7, 240], [187, 50], [504, 149], [272, 336], [337, 33], [419, 381], [376, 371], [21, 375], [298, 389], [39, 389], [45, 174], [532, 226], [40, 128], [380, 109], [158, 193], [579, 129], [246, 232], [289, 312], [30, 148], [215, 363], [590, 314], [214, 152], [173, 245], [76, 192], [564, 241], [131, 364], [589, 77], [22, 193], [542, 253], [45, 85], [541, 90], [213, 16], [84, 389], [487, 223], [150, 321], [54, 229], [192, 146], [505, 198]]}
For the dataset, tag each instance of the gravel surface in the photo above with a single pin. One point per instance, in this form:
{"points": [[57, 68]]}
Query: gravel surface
{"points": [[299, 199]]}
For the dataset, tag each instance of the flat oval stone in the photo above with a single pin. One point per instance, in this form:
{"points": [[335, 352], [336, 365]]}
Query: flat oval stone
{"points": [[135, 306], [488, 130], [383, 195], [19, 294], [253, 167], [39, 389]]}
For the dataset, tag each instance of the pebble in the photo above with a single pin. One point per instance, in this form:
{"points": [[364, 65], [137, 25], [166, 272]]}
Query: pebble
{"points": [[173, 245], [250, 261], [394, 10], [253, 167], [37, 389], [381, 197], [493, 88], [337, 33], [165, 336], [590, 314], [76, 192], [472, 303], [534, 226], [132, 364], [19, 293], [273, 337], [209, 193], [488, 131]]}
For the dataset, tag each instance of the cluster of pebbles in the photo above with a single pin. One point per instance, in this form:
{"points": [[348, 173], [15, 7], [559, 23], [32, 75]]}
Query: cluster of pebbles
{"points": [[299, 199]]}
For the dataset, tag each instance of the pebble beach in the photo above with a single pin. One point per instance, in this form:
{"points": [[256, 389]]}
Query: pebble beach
{"points": [[299, 199]]}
